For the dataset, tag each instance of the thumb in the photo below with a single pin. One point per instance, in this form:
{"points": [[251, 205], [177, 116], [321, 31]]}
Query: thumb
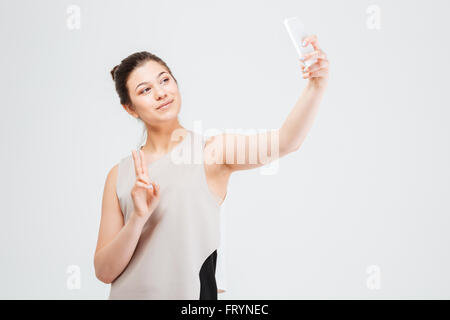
{"points": [[150, 189]]}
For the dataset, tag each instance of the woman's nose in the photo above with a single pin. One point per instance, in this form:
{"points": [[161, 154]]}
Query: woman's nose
{"points": [[160, 92]]}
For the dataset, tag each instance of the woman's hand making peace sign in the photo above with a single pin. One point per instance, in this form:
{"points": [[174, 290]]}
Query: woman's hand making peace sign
{"points": [[145, 194]]}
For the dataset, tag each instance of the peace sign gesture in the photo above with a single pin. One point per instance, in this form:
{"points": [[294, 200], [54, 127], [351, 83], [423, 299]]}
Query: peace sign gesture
{"points": [[145, 194]]}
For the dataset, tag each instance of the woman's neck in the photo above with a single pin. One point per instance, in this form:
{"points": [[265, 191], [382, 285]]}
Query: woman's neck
{"points": [[161, 140]]}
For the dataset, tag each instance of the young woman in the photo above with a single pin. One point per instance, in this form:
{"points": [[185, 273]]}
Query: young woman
{"points": [[159, 228]]}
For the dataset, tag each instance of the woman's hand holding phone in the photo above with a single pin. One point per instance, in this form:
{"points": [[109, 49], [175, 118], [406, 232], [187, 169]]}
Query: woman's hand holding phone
{"points": [[318, 72]]}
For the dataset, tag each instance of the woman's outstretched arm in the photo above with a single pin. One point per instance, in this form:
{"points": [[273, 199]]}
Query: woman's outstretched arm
{"points": [[242, 152], [300, 119]]}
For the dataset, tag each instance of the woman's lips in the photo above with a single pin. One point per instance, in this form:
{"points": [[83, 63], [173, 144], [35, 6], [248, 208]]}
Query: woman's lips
{"points": [[164, 105]]}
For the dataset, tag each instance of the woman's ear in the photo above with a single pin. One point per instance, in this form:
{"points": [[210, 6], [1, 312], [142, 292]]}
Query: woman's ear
{"points": [[130, 110]]}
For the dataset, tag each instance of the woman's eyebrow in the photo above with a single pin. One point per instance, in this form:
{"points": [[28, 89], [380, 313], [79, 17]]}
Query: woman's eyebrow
{"points": [[145, 82]]}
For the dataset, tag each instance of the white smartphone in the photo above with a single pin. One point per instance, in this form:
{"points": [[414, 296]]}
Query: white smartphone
{"points": [[297, 33]]}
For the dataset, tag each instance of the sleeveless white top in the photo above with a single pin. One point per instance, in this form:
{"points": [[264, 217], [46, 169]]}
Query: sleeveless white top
{"points": [[183, 232]]}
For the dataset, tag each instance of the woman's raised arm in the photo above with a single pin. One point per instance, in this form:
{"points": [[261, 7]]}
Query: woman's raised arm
{"points": [[242, 152]]}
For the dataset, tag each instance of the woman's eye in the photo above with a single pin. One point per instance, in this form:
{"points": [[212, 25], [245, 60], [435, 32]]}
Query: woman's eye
{"points": [[143, 91]]}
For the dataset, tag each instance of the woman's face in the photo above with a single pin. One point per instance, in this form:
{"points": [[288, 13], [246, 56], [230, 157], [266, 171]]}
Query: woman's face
{"points": [[150, 86]]}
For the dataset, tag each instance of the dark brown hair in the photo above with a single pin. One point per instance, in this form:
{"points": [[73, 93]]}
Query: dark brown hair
{"points": [[121, 72]]}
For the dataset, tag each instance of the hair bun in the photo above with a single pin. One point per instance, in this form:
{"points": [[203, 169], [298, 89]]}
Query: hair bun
{"points": [[113, 71]]}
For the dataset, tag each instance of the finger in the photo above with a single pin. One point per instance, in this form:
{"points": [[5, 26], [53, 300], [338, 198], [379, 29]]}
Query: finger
{"points": [[144, 166], [302, 64], [312, 39], [143, 185], [152, 191], [309, 75], [316, 66], [143, 179], [136, 162], [141, 161], [319, 73], [318, 54]]}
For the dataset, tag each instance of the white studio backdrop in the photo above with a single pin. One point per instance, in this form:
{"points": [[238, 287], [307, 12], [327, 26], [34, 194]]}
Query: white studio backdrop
{"points": [[361, 211]]}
